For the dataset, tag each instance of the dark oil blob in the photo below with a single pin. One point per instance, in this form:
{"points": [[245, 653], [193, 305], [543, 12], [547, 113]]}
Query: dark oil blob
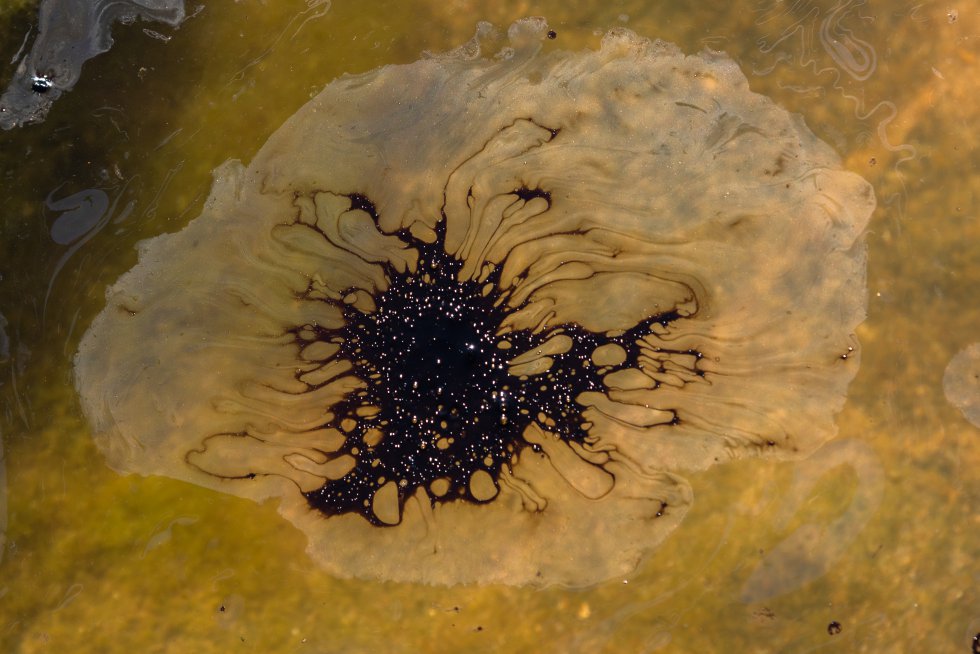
{"points": [[441, 402], [834, 628], [41, 84]]}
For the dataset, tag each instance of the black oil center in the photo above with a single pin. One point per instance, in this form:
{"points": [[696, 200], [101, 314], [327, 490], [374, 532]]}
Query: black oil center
{"points": [[439, 387]]}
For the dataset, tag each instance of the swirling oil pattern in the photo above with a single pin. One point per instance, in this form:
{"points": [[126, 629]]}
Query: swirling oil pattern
{"points": [[469, 319], [800, 19], [826, 39]]}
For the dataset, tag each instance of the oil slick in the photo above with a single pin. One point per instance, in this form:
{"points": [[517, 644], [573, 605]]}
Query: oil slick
{"points": [[623, 264], [69, 33]]}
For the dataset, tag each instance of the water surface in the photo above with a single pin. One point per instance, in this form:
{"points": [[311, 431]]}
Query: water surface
{"points": [[875, 532]]}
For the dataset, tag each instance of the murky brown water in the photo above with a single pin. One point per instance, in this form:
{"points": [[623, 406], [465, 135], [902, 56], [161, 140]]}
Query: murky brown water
{"points": [[875, 531]]}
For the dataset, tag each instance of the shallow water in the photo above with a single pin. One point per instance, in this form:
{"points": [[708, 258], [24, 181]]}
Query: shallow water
{"points": [[875, 531]]}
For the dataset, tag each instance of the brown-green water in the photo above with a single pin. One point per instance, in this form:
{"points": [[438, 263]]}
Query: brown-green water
{"points": [[876, 531]]}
